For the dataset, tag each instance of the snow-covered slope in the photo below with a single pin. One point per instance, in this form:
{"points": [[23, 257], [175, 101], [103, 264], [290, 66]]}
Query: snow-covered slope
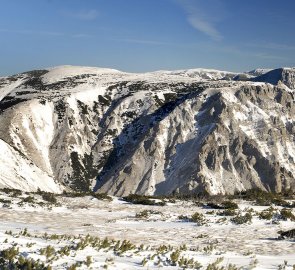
{"points": [[153, 133], [283, 75], [258, 71]]}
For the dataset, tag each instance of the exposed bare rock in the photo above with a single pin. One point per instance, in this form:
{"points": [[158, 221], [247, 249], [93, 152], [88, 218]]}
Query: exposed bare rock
{"points": [[282, 75]]}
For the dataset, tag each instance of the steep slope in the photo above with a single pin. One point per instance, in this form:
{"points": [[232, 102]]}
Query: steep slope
{"points": [[258, 72], [283, 75], [186, 131]]}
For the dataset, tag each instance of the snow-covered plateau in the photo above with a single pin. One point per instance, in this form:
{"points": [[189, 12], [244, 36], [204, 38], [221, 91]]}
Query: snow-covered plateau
{"points": [[68, 231], [187, 131]]}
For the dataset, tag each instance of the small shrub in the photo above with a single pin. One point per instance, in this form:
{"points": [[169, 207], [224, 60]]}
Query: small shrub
{"points": [[4, 201], [267, 213], [10, 259], [183, 247], [142, 199], [25, 232], [183, 217], [28, 199], [229, 205], [224, 205], [162, 249], [49, 197], [105, 243], [88, 261], [174, 257], [125, 246], [143, 214], [12, 192], [221, 220], [198, 218], [99, 196], [286, 214], [227, 212], [208, 249], [73, 266], [102, 196], [49, 252], [241, 219], [214, 205], [214, 265], [186, 263], [9, 254], [147, 213]]}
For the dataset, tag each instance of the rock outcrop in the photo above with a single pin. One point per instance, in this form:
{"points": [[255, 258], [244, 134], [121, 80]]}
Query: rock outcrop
{"points": [[280, 75]]}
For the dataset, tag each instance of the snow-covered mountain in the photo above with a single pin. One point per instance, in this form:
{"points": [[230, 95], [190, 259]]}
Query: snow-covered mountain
{"points": [[161, 132], [282, 75]]}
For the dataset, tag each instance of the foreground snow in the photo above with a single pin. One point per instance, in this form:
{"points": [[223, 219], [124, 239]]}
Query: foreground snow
{"points": [[155, 235]]}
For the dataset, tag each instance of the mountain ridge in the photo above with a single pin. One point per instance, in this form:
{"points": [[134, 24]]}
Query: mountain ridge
{"points": [[186, 131]]}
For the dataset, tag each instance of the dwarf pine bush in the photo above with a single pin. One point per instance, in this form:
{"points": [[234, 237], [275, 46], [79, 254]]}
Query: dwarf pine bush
{"points": [[267, 213], [286, 214], [241, 219], [198, 218], [174, 257]]}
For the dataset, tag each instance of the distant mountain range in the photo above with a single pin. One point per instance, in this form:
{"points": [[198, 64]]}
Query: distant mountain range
{"points": [[164, 132]]}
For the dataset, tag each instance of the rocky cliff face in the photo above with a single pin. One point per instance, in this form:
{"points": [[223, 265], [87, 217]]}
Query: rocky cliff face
{"points": [[285, 76], [186, 131]]}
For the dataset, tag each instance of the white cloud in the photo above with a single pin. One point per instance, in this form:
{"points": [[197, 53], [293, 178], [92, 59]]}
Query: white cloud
{"points": [[200, 20], [204, 26]]}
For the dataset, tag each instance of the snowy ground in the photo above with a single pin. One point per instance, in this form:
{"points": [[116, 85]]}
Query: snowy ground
{"points": [[157, 236]]}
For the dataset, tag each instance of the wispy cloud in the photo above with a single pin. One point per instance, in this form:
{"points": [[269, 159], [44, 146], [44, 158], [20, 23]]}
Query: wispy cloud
{"points": [[85, 15], [271, 46], [142, 41], [204, 26], [81, 36], [234, 50], [200, 19], [269, 57], [32, 32], [46, 33]]}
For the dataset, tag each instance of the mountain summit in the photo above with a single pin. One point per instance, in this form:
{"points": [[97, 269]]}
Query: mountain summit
{"points": [[185, 131]]}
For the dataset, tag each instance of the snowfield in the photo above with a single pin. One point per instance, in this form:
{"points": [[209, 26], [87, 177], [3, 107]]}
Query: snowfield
{"points": [[88, 233]]}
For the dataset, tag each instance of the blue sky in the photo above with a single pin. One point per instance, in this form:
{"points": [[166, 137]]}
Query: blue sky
{"points": [[146, 35]]}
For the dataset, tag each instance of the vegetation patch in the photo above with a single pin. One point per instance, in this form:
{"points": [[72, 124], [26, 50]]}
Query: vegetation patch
{"points": [[267, 214], [286, 214], [224, 205], [264, 198], [142, 199], [227, 212], [198, 218], [99, 196], [242, 219], [147, 213]]}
